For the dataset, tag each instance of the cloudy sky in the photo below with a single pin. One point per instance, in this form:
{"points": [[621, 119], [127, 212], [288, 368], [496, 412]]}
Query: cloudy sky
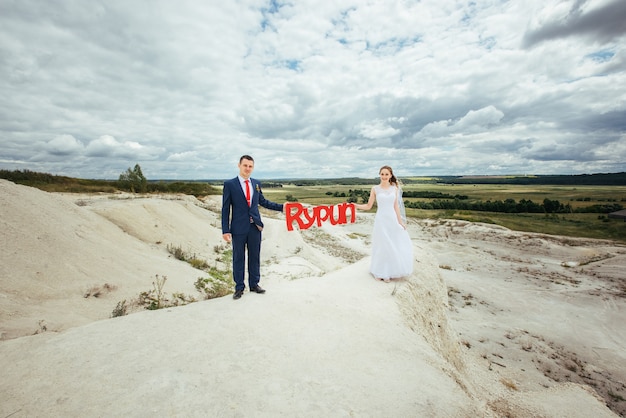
{"points": [[312, 88]]}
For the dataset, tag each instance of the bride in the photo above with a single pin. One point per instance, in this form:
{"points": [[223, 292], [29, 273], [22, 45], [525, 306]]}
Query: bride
{"points": [[392, 249]]}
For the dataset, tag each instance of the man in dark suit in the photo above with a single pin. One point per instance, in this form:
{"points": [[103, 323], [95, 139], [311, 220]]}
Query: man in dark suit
{"points": [[242, 225]]}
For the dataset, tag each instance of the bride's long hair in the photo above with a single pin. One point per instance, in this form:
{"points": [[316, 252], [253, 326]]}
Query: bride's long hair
{"points": [[393, 179]]}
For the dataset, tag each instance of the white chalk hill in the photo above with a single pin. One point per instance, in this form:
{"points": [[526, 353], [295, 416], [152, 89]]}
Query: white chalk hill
{"points": [[325, 340]]}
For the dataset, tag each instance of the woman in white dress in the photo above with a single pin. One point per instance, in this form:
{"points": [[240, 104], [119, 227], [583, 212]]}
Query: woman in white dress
{"points": [[392, 249]]}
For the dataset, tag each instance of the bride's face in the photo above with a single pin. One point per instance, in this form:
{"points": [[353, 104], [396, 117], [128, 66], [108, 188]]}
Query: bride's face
{"points": [[385, 175]]}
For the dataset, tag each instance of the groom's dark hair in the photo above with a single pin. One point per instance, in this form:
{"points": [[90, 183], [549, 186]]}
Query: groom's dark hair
{"points": [[245, 157]]}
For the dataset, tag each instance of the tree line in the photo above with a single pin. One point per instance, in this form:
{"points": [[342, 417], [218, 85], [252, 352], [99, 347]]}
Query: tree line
{"points": [[132, 180], [597, 179], [444, 201], [512, 206]]}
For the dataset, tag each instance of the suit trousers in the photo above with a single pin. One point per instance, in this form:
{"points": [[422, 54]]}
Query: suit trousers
{"points": [[252, 242]]}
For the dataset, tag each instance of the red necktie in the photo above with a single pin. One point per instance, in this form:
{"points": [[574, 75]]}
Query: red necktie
{"points": [[248, 192]]}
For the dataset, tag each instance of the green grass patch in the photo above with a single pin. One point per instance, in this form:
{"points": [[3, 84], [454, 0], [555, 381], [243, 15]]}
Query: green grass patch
{"points": [[586, 225]]}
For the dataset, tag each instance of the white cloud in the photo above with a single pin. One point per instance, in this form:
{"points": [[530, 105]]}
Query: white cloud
{"points": [[107, 146], [377, 129], [183, 156], [475, 121], [64, 145], [436, 87]]}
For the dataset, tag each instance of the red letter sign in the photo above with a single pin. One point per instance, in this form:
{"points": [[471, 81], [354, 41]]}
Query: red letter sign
{"points": [[319, 214]]}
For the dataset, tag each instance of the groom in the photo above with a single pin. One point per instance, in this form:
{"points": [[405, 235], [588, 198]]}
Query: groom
{"points": [[242, 225]]}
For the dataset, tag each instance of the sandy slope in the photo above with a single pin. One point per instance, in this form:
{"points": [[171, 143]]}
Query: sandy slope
{"points": [[528, 303], [325, 340]]}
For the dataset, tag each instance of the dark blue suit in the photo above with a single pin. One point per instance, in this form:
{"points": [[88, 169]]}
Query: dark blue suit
{"points": [[244, 223]]}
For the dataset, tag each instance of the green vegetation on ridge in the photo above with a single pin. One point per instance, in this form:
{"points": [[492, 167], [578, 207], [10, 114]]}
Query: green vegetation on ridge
{"points": [[131, 180]]}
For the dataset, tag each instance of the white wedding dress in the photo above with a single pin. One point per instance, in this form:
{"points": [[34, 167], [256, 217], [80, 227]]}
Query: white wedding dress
{"points": [[392, 249]]}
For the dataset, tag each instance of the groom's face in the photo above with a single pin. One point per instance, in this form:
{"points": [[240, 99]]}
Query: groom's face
{"points": [[245, 168]]}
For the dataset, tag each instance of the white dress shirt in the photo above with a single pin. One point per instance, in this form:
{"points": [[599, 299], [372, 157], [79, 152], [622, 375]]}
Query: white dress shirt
{"points": [[242, 181]]}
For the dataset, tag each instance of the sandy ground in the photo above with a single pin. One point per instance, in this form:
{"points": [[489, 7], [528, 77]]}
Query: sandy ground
{"points": [[493, 323]]}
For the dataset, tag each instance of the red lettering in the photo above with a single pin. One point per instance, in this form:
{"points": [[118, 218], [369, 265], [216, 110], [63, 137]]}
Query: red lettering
{"points": [[318, 215], [322, 213], [290, 216], [343, 209]]}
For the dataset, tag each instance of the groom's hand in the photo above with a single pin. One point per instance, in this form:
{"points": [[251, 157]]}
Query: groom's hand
{"points": [[227, 237]]}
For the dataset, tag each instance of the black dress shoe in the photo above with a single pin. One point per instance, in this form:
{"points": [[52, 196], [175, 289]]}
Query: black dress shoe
{"points": [[257, 289], [238, 294]]}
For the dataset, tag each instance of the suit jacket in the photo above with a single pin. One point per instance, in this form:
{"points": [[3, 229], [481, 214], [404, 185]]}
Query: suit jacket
{"points": [[236, 213]]}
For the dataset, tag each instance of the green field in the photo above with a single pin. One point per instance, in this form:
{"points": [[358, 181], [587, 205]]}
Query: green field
{"points": [[589, 225]]}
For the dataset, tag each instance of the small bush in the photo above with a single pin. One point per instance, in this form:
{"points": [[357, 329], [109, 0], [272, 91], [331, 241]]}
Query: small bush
{"points": [[180, 299], [177, 252], [156, 298], [183, 255], [215, 286], [198, 263], [120, 309]]}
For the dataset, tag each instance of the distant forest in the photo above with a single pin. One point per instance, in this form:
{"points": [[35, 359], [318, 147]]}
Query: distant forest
{"points": [[444, 201], [33, 178], [601, 179], [511, 206]]}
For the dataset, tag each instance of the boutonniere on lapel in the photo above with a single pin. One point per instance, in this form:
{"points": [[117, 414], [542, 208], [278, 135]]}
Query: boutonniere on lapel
{"points": [[258, 189]]}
